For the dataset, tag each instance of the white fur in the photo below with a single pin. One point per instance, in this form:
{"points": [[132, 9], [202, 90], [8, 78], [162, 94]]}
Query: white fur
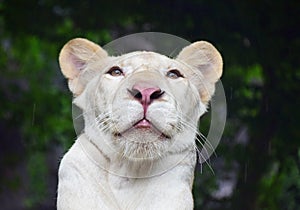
{"points": [[113, 165]]}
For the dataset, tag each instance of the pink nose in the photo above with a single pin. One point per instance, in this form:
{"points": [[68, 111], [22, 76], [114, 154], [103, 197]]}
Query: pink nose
{"points": [[146, 94]]}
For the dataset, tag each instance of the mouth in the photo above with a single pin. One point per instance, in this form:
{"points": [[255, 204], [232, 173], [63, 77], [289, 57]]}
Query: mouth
{"points": [[144, 125]]}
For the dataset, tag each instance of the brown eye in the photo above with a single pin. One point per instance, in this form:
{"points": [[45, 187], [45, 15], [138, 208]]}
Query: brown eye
{"points": [[174, 74], [115, 71]]}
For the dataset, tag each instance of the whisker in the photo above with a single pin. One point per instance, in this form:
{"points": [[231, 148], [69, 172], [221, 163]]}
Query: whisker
{"points": [[200, 138], [196, 130]]}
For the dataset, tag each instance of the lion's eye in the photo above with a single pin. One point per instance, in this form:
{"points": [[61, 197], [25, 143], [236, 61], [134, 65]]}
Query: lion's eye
{"points": [[115, 71], [174, 74]]}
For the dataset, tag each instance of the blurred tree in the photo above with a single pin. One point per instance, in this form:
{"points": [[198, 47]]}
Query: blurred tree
{"points": [[260, 43]]}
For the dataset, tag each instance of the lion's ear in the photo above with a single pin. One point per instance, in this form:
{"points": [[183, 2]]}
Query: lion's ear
{"points": [[74, 59], [206, 67]]}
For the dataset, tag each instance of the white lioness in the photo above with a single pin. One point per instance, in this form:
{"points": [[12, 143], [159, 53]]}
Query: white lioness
{"points": [[141, 109]]}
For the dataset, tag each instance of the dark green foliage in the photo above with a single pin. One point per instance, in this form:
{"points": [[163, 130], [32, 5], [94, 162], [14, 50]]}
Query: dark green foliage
{"points": [[260, 43]]}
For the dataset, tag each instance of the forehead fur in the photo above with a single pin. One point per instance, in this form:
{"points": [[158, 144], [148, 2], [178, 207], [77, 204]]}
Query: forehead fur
{"points": [[143, 58]]}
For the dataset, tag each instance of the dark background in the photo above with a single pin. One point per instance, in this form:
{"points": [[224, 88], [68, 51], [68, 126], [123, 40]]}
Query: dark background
{"points": [[257, 162]]}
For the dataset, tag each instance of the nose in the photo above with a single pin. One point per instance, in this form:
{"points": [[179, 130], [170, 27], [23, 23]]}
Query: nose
{"points": [[146, 94]]}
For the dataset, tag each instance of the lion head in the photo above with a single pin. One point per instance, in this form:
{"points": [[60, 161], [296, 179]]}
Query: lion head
{"points": [[141, 105]]}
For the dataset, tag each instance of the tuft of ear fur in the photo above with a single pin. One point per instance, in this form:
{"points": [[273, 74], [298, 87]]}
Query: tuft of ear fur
{"points": [[206, 66], [73, 60]]}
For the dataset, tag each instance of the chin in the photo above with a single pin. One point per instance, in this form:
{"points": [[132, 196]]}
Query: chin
{"points": [[141, 144]]}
